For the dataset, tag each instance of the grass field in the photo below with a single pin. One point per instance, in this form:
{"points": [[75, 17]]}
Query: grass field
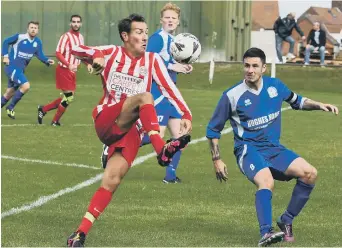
{"points": [[145, 212]]}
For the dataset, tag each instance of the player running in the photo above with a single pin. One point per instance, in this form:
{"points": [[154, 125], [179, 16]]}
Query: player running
{"points": [[253, 107], [126, 110], [65, 71], [24, 47]]}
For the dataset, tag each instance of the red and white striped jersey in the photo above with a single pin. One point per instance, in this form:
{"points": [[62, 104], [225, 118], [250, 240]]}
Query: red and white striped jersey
{"points": [[124, 76], [66, 42]]}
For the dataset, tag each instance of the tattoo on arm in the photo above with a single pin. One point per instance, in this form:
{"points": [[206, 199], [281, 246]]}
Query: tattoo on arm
{"points": [[215, 149]]}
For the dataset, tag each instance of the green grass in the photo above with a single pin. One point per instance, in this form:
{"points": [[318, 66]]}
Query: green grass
{"points": [[145, 212]]}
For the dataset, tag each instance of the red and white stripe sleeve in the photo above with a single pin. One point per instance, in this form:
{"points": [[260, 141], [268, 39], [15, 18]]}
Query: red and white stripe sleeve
{"points": [[62, 43], [168, 87], [87, 52]]}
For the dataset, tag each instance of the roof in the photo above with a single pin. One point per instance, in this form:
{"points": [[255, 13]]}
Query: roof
{"points": [[264, 14]]}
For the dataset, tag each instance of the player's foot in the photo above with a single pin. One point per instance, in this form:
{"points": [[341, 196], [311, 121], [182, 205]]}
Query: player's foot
{"points": [[76, 239], [287, 229], [271, 238], [55, 124], [104, 156], [171, 147], [11, 113], [41, 114], [177, 180]]}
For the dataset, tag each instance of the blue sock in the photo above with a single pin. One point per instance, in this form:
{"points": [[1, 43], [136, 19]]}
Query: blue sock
{"points": [[16, 98], [263, 205], [300, 196], [171, 169], [3, 101], [146, 140]]}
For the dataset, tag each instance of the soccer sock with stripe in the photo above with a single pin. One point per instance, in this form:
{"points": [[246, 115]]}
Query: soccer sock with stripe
{"points": [[16, 98], [263, 205], [300, 196], [4, 100], [52, 105], [149, 120], [98, 203], [60, 111]]}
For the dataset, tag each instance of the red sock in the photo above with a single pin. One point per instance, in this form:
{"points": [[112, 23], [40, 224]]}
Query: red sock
{"points": [[60, 111], [149, 120], [52, 105], [98, 203]]}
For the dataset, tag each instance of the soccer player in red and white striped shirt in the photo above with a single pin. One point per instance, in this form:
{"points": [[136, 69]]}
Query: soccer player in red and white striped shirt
{"points": [[65, 71], [126, 110]]}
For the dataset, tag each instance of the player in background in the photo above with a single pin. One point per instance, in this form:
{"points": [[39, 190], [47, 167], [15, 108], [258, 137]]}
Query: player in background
{"points": [[24, 47], [253, 107], [168, 116], [65, 71], [126, 110]]}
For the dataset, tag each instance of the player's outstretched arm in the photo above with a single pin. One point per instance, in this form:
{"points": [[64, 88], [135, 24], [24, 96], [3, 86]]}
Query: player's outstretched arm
{"points": [[41, 56], [313, 105], [219, 166]]}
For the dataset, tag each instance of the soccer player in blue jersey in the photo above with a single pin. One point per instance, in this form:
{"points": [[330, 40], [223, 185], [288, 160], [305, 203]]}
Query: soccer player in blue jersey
{"points": [[24, 47], [253, 107], [168, 116], [159, 42]]}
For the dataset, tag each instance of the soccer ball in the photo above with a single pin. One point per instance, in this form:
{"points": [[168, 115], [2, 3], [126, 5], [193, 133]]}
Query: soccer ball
{"points": [[185, 48]]}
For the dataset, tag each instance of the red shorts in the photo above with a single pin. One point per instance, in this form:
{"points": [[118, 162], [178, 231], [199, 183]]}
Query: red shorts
{"points": [[65, 79], [111, 135]]}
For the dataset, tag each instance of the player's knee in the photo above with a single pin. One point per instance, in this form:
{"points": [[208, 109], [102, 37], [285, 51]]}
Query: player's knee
{"points": [[25, 87], [266, 183], [111, 182], [68, 97], [310, 175], [146, 98]]}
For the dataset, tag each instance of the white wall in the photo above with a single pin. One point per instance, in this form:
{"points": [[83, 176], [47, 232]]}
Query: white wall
{"points": [[265, 40]]}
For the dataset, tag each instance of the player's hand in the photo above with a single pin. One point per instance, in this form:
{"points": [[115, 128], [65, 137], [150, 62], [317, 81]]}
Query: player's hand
{"points": [[98, 65], [180, 68], [73, 68], [90, 68], [51, 62], [189, 69], [185, 126], [329, 108], [5, 60], [221, 170]]}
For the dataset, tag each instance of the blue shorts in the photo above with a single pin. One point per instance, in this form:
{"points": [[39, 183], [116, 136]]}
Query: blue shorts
{"points": [[252, 159], [16, 77], [165, 110]]}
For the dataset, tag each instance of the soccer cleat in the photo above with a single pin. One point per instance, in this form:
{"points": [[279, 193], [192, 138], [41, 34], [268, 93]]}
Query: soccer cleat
{"points": [[76, 239], [271, 238], [287, 229], [41, 114], [11, 113], [177, 180], [171, 147], [104, 156], [55, 124]]}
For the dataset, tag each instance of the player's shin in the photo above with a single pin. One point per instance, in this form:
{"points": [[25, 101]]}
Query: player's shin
{"points": [[300, 196], [4, 101], [98, 203], [52, 105], [149, 120], [60, 111], [16, 98], [263, 205], [171, 169]]}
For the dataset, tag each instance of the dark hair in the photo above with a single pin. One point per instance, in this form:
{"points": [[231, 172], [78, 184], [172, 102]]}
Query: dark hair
{"points": [[125, 24], [33, 22], [75, 16], [255, 52]]}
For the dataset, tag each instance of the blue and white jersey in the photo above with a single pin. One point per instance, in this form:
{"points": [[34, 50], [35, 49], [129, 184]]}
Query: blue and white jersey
{"points": [[22, 51], [255, 116], [159, 42]]}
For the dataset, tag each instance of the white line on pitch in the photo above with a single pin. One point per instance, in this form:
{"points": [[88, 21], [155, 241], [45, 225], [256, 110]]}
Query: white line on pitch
{"points": [[44, 199], [50, 162]]}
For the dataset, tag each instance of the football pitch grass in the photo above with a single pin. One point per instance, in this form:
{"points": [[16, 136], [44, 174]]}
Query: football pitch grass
{"points": [[145, 212]]}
